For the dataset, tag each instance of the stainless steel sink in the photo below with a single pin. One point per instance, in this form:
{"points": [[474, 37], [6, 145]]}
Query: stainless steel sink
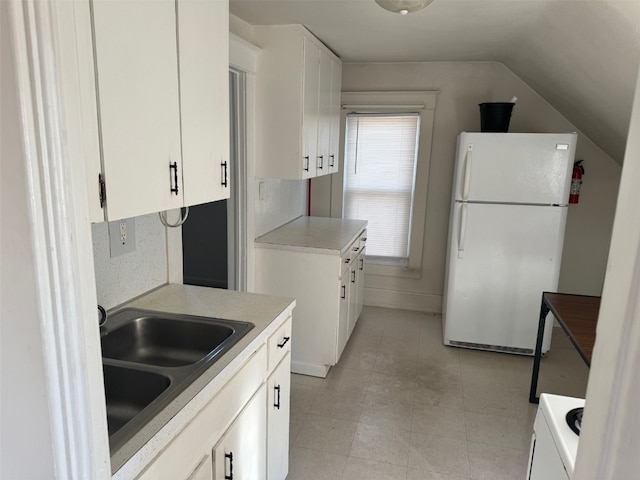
{"points": [[165, 341], [149, 358], [128, 392]]}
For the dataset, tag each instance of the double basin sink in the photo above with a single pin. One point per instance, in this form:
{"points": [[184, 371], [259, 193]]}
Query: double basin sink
{"points": [[149, 358]]}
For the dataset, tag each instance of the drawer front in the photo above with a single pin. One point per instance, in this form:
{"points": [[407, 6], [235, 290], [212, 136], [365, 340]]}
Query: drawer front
{"points": [[349, 256], [362, 240], [279, 344]]}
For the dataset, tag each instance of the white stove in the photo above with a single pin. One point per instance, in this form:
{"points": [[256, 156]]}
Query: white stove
{"points": [[553, 444]]}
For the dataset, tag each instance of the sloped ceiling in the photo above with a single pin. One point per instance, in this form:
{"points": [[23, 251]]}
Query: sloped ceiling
{"points": [[582, 56]]}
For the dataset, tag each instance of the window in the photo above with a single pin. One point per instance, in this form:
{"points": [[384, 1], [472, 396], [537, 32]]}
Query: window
{"points": [[379, 180], [372, 113]]}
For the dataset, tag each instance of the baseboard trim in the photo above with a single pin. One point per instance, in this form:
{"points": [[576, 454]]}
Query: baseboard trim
{"points": [[309, 369], [419, 302]]}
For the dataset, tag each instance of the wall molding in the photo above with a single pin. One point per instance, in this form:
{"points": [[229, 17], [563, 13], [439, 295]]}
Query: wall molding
{"points": [[419, 302]]}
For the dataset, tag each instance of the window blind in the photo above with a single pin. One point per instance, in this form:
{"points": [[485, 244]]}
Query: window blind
{"points": [[380, 165]]}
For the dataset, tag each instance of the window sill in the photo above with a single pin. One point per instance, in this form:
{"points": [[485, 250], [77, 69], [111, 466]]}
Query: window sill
{"points": [[393, 271]]}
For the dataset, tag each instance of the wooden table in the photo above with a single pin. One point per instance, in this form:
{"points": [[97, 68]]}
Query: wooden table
{"points": [[578, 316]]}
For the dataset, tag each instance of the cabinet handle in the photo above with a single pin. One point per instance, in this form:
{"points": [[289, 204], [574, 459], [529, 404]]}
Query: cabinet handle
{"points": [[355, 249], [276, 402], [321, 157], [230, 457], [306, 160], [224, 174], [344, 292], [347, 260], [284, 342], [353, 276], [174, 166], [361, 264], [364, 239], [332, 163]]}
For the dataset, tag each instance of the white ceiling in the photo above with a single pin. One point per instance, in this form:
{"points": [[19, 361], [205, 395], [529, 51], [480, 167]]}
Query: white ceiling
{"points": [[582, 56]]}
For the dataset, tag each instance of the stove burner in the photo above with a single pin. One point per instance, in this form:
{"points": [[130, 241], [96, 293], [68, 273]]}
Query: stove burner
{"points": [[574, 419]]}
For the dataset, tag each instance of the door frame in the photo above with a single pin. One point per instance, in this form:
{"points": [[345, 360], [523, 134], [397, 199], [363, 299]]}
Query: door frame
{"points": [[243, 58], [66, 348]]}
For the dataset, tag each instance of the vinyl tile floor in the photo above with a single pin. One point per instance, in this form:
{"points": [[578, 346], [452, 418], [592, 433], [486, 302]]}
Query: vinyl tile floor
{"points": [[401, 405]]}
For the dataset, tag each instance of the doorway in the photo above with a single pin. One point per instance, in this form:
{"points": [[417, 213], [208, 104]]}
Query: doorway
{"points": [[214, 236]]}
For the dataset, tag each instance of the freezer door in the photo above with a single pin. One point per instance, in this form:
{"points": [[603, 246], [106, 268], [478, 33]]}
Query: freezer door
{"points": [[514, 167], [501, 259]]}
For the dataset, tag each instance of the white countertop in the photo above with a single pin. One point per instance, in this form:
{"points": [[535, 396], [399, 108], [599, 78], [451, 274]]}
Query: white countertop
{"points": [[555, 408], [265, 312], [318, 234]]}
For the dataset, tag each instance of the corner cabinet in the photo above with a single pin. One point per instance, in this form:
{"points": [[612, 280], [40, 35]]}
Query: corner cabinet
{"points": [[153, 102], [320, 262], [298, 104]]}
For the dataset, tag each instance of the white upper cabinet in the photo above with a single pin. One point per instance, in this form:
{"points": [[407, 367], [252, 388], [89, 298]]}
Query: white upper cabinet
{"points": [[324, 114], [334, 112], [203, 33], [311, 77], [293, 103], [137, 79], [145, 93]]}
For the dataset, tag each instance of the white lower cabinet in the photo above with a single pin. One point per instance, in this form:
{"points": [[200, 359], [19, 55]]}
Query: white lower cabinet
{"points": [[240, 454], [278, 408], [324, 282], [227, 438]]}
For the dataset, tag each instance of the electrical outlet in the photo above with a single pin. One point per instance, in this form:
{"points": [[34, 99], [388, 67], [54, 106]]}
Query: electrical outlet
{"points": [[122, 237]]}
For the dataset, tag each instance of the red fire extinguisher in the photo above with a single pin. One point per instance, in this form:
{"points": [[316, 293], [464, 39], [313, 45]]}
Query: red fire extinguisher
{"points": [[576, 181]]}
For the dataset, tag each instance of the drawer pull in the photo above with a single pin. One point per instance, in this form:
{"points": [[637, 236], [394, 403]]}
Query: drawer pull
{"points": [[230, 457], [284, 342], [353, 276], [355, 249], [344, 292], [276, 402], [347, 260]]}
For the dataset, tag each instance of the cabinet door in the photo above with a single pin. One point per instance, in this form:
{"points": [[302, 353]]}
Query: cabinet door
{"points": [[353, 294], [204, 470], [310, 108], [324, 114], [241, 453], [343, 321], [360, 282], [278, 405], [335, 105], [203, 33], [136, 61], [74, 55]]}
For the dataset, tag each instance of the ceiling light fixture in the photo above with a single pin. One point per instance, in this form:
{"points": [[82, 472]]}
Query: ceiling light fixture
{"points": [[403, 6]]}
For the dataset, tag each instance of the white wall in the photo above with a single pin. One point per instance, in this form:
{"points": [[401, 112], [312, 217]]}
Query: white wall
{"points": [[462, 86], [122, 278], [25, 431], [609, 441], [284, 200]]}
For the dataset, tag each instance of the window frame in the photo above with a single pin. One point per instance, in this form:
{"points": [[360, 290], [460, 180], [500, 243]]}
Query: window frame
{"points": [[422, 102]]}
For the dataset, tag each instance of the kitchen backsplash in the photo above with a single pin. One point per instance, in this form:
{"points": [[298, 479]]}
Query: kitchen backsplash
{"points": [[284, 200], [122, 278]]}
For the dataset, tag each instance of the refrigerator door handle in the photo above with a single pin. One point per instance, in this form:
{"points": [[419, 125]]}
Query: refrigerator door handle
{"points": [[462, 230], [466, 181]]}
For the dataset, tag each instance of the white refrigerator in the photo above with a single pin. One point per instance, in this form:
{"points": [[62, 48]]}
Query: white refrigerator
{"points": [[506, 232]]}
